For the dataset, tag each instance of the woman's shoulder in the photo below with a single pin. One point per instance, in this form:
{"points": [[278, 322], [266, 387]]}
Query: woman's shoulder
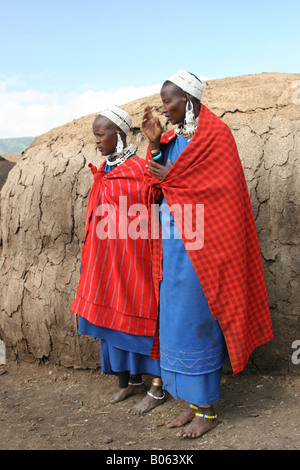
{"points": [[136, 159], [136, 164], [165, 138]]}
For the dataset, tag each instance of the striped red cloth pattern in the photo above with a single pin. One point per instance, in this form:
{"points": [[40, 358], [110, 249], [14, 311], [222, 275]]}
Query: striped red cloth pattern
{"points": [[116, 288]]}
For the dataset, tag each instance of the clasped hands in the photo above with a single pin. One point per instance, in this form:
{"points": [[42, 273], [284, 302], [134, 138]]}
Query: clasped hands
{"points": [[153, 130]]}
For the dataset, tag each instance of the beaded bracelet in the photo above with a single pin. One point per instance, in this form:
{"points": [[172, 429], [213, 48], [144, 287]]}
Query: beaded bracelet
{"points": [[206, 416], [157, 156]]}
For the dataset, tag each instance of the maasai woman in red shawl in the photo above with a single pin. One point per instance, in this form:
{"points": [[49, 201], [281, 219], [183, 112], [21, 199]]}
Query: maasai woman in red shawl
{"points": [[206, 260], [115, 298]]}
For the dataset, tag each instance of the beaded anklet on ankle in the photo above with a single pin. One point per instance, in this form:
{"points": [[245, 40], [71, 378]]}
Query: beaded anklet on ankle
{"points": [[202, 415]]}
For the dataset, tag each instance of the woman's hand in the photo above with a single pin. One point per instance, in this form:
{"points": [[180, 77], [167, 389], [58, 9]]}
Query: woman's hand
{"points": [[157, 169], [152, 128]]}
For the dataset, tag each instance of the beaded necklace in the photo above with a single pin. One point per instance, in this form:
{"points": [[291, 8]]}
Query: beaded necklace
{"points": [[187, 130], [120, 157]]}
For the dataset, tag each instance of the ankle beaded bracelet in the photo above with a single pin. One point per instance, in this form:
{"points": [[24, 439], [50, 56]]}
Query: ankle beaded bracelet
{"points": [[202, 415], [206, 416]]}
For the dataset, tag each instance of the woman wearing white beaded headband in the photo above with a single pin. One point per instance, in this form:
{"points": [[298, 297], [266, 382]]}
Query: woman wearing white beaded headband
{"points": [[214, 289], [181, 95], [112, 142]]}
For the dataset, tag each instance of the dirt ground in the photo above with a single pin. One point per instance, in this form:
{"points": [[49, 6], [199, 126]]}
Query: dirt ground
{"points": [[47, 407]]}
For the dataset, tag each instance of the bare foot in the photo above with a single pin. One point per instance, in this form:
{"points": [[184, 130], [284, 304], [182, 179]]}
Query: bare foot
{"points": [[180, 420], [198, 427], [150, 401], [127, 392]]}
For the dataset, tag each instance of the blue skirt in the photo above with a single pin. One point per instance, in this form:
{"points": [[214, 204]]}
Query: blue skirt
{"points": [[192, 345], [121, 351]]}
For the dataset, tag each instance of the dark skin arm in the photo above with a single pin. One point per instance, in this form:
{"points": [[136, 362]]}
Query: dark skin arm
{"points": [[153, 130], [157, 169]]}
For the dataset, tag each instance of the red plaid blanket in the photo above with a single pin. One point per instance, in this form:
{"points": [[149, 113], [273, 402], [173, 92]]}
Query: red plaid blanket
{"points": [[116, 287], [228, 266]]}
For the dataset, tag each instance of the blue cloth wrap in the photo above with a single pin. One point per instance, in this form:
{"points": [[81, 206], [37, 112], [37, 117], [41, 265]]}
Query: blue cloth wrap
{"points": [[192, 345]]}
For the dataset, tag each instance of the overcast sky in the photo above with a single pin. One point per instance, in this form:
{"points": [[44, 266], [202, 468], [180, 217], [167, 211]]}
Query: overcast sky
{"points": [[63, 59]]}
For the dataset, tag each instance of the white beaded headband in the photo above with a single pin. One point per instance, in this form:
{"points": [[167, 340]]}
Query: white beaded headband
{"points": [[117, 115], [188, 83]]}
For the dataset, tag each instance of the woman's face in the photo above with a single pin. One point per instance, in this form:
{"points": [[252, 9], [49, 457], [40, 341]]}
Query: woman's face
{"points": [[105, 135], [174, 103]]}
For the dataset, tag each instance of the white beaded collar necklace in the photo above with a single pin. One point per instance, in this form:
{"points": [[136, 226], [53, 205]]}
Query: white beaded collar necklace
{"points": [[120, 157], [187, 129]]}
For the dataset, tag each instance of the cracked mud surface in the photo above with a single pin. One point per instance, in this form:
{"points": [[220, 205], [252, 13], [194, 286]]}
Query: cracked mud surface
{"points": [[46, 407]]}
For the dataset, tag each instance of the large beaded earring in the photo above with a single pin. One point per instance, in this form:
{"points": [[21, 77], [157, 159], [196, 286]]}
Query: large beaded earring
{"points": [[189, 121], [120, 145]]}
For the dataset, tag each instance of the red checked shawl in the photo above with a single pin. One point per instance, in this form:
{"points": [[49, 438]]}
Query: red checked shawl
{"points": [[116, 288], [229, 266]]}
